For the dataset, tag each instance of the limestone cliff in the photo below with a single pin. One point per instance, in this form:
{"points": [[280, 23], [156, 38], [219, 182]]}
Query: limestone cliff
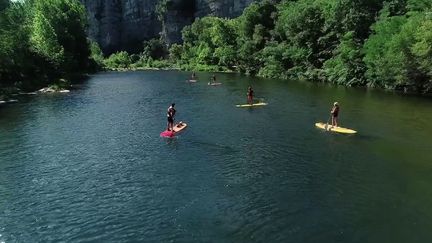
{"points": [[122, 24], [125, 24]]}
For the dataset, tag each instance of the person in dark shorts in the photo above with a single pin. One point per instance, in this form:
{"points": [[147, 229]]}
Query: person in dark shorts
{"points": [[250, 95], [334, 114], [170, 116]]}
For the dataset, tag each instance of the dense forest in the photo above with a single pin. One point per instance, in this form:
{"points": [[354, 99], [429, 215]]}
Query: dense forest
{"points": [[42, 41], [376, 43]]}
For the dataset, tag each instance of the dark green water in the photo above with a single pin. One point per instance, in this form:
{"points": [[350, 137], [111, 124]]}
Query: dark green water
{"points": [[89, 166]]}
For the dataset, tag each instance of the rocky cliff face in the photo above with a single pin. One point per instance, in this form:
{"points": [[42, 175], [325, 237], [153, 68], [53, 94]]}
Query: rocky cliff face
{"points": [[125, 24], [122, 24], [221, 8]]}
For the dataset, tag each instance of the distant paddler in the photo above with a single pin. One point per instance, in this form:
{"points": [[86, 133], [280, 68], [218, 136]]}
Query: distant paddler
{"points": [[213, 79], [250, 94], [170, 116], [250, 100], [335, 114], [193, 77]]}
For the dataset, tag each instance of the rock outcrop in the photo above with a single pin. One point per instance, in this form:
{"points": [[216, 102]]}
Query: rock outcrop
{"points": [[221, 8], [125, 24], [122, 24]]}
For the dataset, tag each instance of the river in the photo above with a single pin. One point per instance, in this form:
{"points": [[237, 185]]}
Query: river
{"points": [[89, 166]]}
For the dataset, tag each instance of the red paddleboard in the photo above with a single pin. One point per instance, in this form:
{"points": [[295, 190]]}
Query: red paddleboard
{"points": [[177, 128]]}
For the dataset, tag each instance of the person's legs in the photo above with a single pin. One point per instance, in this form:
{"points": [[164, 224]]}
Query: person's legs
{"points": [[170, 124]]}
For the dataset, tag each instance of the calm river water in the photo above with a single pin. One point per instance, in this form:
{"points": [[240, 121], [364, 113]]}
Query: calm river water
{"points": [[89, 166]]}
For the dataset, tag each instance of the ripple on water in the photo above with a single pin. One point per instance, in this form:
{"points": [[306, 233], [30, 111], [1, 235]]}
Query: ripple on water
{"points": [[90, 166]]}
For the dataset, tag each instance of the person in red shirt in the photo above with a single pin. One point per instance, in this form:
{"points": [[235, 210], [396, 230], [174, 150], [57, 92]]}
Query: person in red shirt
{"points": [[335, 114], [250, 95]]}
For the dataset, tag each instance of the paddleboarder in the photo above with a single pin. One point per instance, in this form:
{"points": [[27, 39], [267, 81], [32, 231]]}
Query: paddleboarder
{"points": [[250, 95], [334, 114], [170, 115], [213, 79], [194, 77]]}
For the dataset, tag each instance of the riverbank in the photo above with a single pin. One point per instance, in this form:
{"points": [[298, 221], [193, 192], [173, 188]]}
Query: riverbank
{"points": [[8, 94]]}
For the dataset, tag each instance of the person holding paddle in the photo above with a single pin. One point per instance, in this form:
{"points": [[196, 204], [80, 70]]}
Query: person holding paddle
{"points": [[334, 114], [250, 95], [170, 115]]}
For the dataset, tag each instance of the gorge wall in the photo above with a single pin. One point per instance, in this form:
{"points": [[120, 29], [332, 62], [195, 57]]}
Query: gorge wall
{"points": [[125, 24]]}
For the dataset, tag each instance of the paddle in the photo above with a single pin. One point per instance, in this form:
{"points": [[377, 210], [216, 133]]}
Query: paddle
{"points": [[326, 126]]}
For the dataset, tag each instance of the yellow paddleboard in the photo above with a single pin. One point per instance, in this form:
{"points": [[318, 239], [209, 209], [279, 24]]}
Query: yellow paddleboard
{"points": [[328, 127], [253, 105]]}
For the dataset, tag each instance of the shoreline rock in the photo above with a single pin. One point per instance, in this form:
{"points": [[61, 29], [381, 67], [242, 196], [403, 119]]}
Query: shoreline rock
{"points": [[52, 90], [8, 101]]}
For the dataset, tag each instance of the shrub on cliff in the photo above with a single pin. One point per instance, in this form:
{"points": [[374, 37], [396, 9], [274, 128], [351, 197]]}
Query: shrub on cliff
{"points": [[118, 60], [155, 48]]}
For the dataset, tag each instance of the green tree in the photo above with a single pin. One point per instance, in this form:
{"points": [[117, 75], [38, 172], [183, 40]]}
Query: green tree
{"points": [[347, 66], [422, 50], [118, 60], [175, 53], [301, 25], [96, 53], [41, 41], [380, 71], [210, 41], [44, 40], [380, 43], [155, 48], [58, 33], [16, 60]]}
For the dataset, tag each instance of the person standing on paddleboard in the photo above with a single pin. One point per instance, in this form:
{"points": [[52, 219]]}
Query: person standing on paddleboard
{"points": [[170, 115], [334, 114], [250, 95], [213, 79], [193, 76]]}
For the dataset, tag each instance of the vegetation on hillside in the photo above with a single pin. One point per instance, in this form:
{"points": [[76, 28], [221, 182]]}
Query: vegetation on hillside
{"points": [[42, 41], [376, 43]]}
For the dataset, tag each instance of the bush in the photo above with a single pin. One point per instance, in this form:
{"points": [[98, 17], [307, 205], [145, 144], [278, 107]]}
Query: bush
{"points": [[118, 60]]}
